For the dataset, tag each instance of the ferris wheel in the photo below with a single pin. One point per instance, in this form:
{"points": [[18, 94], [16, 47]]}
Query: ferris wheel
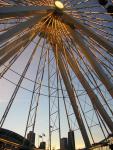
{"points": [[62, 52]]}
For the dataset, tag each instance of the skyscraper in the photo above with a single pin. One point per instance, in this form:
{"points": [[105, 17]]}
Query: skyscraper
{"points": [[71, 140], [64, 144], [31, 137]]}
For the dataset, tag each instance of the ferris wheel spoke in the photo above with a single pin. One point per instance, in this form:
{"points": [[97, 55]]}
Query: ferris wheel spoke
{"points": [[12, 61], [102, 28], [14, 48], [64, 100], [89, 55], [108, 46], [97, 87], [99, 90], [92, 18], [39, 2], [92, 137], [97, 48], [8, 47], [12, 52], [66, 56], [31, 120], [70, 46], [16, 89], [19, 11], [108, 69], [102, 124], [72, 99], [19, 28], [81, 2], [104, 63], [94, 99], [89, 13], [82, 77], [102, 32]]}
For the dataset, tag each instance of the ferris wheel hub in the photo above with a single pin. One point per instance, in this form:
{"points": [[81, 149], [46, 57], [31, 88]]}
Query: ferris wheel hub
{"points": [[59, 4]]}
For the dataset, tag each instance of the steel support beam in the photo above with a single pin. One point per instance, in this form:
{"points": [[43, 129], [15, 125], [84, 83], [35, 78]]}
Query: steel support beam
{"points": [[14, 47], [69, 20], [20, 11], [13, 44], [11, 62], [93, 97], [17, 88], [19, 28], [93, 61], [13, 52], [72, 99]]}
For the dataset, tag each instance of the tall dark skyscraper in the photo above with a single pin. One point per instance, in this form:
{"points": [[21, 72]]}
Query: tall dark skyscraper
{"points": [[71, 140], [31, 137], [64, 144]]}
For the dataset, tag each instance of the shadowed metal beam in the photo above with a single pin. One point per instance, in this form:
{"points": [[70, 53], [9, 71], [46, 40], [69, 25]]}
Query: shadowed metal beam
{"points": [[16, 46], [13, 51], [19, 28], [72, 99], [19, 11], [93, 97], [86, 30], [30, 36], [93, 61], [8, 47]]}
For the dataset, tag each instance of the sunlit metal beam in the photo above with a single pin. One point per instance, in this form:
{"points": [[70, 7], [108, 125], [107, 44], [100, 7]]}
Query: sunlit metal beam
{"points": [[72, 99], [8, 47], [93, 61], [19, 11], [86, 30], [17, 88], [14, 58], [93, 97], [19, 28], [13, 51]]}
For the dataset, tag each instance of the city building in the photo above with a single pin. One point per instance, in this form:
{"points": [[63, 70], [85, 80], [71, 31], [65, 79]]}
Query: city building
{"points": [[31, 137], [71, 140], [64, 144], [42, 145]]}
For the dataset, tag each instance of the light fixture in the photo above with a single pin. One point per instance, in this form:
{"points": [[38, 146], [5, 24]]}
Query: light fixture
{"points": [[59, 4]]}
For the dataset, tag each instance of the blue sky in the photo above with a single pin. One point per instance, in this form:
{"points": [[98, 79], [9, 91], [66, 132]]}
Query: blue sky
{"points": [[17, 117]]}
